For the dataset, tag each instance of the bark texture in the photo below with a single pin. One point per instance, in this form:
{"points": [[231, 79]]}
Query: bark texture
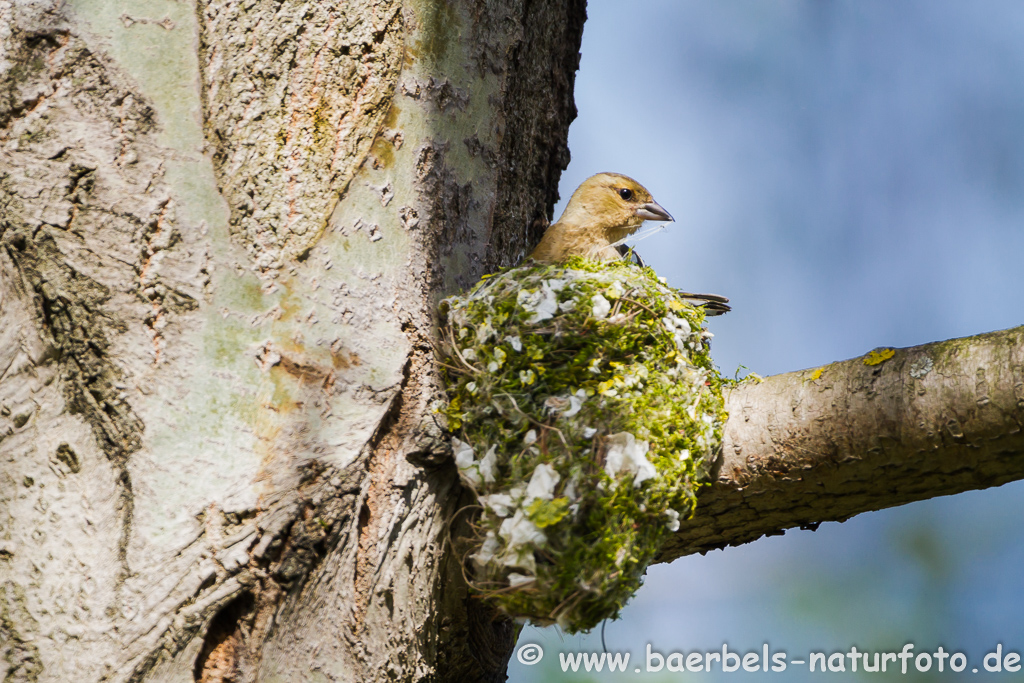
{"points": [[223, 230], [864, 434], [294, 96]]}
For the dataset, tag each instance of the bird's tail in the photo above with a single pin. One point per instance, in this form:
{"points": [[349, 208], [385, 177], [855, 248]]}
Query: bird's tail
{"points": [[713, 304]]}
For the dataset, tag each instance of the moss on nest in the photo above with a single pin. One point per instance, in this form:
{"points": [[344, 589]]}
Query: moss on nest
{"points": [[586, 408]]}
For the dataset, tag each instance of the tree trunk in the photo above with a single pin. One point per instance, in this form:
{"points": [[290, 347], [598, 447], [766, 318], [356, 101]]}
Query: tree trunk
{"points": [[224, 230]]}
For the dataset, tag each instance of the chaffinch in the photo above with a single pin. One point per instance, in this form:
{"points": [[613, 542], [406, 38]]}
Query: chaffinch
{"points": [[604, 210]]}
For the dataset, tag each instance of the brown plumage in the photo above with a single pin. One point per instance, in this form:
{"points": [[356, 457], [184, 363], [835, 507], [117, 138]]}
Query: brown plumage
{"points": [[605, 209]]}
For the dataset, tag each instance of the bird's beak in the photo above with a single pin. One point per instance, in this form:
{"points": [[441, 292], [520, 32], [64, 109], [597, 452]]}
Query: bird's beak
{"points": [[652, 211]]}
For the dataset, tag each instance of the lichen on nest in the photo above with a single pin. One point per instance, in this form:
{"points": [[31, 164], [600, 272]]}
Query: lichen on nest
{"points": [[585, 410]]}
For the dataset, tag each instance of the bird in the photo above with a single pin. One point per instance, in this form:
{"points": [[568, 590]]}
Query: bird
{"points": [[603, 211]]}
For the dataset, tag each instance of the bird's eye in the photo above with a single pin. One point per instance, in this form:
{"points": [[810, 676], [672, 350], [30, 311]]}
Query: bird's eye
{"points": [[626, 194]]}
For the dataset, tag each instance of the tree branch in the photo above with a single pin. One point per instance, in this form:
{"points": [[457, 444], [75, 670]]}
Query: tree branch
{"points": [[864, 434]]}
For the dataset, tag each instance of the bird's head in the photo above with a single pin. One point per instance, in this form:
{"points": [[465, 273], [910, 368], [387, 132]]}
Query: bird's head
{"points": [[613, 203]]}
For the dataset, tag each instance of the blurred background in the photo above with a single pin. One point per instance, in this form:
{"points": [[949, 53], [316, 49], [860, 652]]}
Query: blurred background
{"points": [[851, 174]]}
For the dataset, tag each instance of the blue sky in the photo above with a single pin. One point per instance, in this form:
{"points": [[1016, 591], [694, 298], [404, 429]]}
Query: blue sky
{"points": [[851, 174]]}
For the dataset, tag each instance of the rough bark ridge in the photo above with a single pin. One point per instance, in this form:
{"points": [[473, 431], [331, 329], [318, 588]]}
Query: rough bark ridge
{"points": [[889, 428], [295, 94], [223, 230], [543, 67]]}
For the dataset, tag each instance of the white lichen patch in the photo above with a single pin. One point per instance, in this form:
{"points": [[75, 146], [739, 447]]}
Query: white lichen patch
{"points": [[921, 367], [586, 410]]}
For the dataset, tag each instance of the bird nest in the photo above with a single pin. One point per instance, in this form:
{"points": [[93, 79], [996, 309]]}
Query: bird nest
{"points": [[586, 411]]}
